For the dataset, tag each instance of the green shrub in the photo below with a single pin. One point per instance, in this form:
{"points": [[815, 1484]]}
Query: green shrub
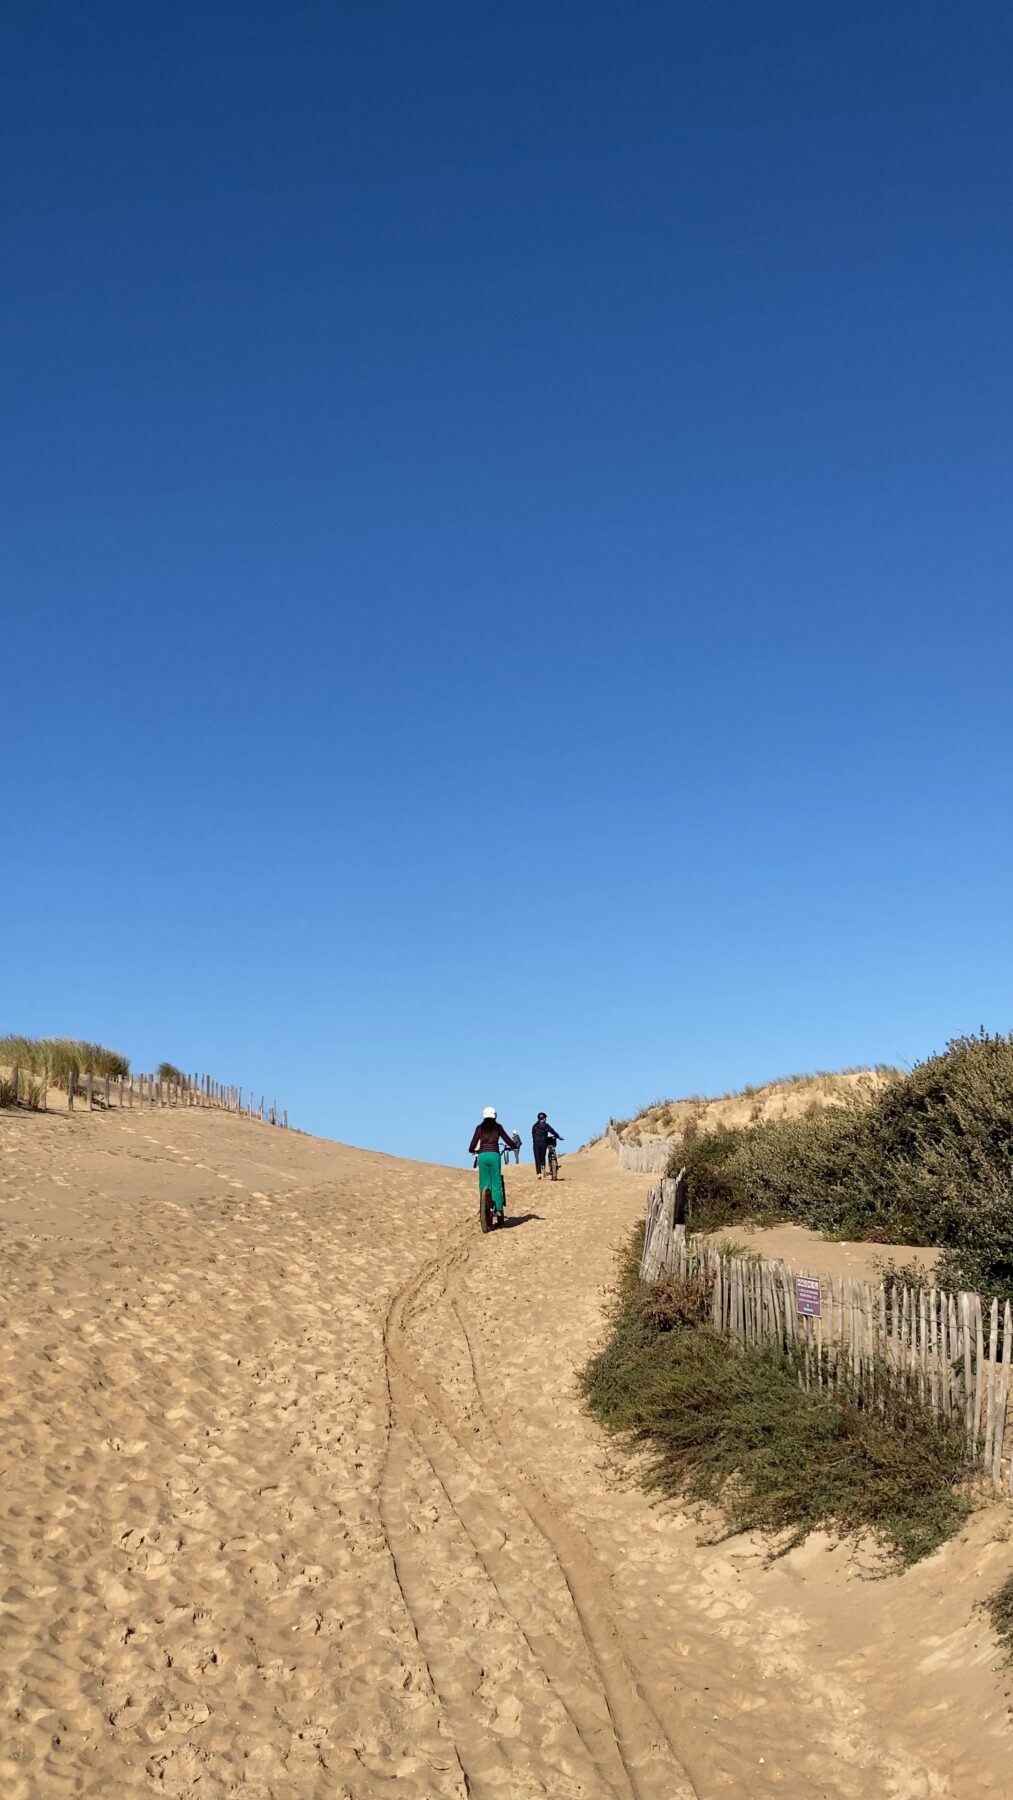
{"points": [[1000, 1608], [806, 1169], [930, 1161], [168, 1072], [735, 1428]]}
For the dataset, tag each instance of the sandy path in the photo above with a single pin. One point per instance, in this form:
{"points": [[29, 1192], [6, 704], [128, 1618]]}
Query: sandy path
{"points": [[297, 1499]]}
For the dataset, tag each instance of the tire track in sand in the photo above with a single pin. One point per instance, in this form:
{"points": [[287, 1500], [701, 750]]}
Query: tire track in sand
{"points": [[507, 1604]]}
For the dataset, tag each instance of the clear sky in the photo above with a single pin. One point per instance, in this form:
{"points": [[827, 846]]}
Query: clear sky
{"points": [[506, 545]]}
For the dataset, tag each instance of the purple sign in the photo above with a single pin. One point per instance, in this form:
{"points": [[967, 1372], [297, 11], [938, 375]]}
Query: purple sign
{"points": [[808, 1297]]}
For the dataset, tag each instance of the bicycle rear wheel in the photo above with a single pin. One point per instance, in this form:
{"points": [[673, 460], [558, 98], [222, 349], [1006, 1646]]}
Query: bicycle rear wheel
{"points": [[553, 1162], [486, 1209]]}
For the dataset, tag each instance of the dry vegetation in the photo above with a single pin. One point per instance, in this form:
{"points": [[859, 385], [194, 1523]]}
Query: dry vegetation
{"points": [[60, 1060], [789, 1097], [29, 1067]]}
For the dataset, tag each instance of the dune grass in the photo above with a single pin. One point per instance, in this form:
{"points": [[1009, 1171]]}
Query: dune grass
{"points": [[61, 1059], [827, 1080], [696, 1114], [735, 1429], [29, 1092]]}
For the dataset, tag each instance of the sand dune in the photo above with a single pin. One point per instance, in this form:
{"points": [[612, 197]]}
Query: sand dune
{"points": [[297, 1499], [788, 1099]]}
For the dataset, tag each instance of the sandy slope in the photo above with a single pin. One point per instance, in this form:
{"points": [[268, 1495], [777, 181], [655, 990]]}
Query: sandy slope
{"points": [[789, 1099], [297, 1499]]}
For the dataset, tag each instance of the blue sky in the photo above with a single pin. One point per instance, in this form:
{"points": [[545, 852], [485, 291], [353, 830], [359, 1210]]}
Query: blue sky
{"points": [[506, 546]]}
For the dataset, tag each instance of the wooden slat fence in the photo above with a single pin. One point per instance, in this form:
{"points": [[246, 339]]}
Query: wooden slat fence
{"points": [[649, 1157], [883, 1344], [106, 1091]]}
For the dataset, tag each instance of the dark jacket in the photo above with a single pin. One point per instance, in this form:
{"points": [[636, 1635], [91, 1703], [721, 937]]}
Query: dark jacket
{"points": [[542, 1131], [487, 1136]]}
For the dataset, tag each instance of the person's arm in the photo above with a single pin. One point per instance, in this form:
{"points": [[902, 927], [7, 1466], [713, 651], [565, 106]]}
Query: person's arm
{"points": [[476, 1134], [507, 1138]]}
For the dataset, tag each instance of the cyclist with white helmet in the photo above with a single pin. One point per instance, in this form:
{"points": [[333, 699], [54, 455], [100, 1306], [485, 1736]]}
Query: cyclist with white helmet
{"points": [[486, 1139]]}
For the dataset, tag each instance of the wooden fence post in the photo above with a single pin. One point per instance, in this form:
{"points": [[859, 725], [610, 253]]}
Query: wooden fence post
{"points": [[89, 1088], [993, 1344], [979, 1373], [1000, 1414]]}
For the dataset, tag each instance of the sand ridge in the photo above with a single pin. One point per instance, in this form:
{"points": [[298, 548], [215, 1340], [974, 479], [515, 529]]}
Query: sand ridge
{"points": [[298, 1499], [791, 1098]]}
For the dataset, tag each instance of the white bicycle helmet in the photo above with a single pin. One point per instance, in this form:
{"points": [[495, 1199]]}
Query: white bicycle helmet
{"points": [[489, 1113]]}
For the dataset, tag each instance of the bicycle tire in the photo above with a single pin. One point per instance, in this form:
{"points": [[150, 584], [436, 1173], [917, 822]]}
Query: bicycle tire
{"points": [[486, 1209], [553, 1164]]}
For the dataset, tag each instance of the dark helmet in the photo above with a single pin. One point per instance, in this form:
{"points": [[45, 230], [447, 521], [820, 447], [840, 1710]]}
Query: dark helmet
{"points": [[541, 1115]]}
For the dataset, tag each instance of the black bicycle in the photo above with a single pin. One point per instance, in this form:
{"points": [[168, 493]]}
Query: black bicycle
{"points": [[489, 1219], [552, 1160], [486, 1209]]}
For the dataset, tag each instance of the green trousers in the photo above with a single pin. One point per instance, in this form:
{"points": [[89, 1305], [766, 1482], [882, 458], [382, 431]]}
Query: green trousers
{"points": [[490, 1175]]}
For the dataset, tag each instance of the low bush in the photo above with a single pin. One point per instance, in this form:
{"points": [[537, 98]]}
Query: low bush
{"points": [[734, 1428], [929, 1161], [673, 1302], [999, 1607], [805, 1169]]}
